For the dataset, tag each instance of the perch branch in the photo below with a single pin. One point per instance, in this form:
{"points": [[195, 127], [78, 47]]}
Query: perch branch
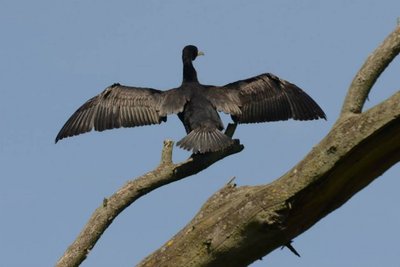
{"points": [[167, 172]]}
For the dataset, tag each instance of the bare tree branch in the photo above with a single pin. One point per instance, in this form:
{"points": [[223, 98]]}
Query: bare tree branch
{"points": [[369, 73], [167, 172]]}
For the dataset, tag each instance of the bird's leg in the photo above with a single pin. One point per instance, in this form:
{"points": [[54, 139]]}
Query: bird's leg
{"points": [[230, 129]]}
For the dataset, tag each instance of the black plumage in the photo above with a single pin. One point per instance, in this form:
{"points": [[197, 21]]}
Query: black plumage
{"points": [[258, 99]]}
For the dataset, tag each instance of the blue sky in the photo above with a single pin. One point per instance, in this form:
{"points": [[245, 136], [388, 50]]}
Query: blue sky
{"points": [[57, 54]]}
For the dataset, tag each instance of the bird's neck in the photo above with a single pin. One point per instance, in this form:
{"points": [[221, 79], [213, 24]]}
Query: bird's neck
{"points": [[189, 73]]}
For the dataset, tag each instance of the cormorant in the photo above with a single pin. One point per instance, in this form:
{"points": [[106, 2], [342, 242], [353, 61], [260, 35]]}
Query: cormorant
{"points": [[262, 98]]}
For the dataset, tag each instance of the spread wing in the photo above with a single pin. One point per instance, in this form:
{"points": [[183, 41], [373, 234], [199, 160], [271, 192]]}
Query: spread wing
{"points": [[120, 106], [263, 98]]}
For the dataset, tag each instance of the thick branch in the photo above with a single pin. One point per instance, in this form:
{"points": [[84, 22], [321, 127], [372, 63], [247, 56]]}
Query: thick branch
{"points": [[369, 73], [167, 172], [237, 226]]}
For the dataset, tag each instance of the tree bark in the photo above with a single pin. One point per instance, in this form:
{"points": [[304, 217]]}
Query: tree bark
{"points": [[239, 225]]}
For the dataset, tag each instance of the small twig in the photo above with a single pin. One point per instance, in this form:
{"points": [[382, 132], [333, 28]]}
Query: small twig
{"points": [[166, 154], [291, 248], [230, 182]]}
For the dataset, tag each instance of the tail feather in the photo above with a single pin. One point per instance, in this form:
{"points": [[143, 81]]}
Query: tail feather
{"points": [[205, 140]]}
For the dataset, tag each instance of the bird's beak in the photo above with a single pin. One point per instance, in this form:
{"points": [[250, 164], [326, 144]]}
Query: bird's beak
{"points": [[200, 53]]}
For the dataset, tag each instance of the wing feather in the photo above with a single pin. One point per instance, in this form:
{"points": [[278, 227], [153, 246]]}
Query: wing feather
{"points": [[263, 98], [119, 106]]}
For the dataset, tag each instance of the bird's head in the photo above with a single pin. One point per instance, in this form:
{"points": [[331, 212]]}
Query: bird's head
{"points": [[190, 52]]}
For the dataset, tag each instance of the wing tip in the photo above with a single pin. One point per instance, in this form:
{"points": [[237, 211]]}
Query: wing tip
{"points": [[60, 137]]}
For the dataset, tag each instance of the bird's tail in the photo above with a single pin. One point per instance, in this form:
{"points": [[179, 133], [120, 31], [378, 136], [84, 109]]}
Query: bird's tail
{"points": [[202, 140]]}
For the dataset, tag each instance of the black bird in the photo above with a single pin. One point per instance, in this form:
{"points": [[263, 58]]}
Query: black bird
{"points": [[258, 99]]}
